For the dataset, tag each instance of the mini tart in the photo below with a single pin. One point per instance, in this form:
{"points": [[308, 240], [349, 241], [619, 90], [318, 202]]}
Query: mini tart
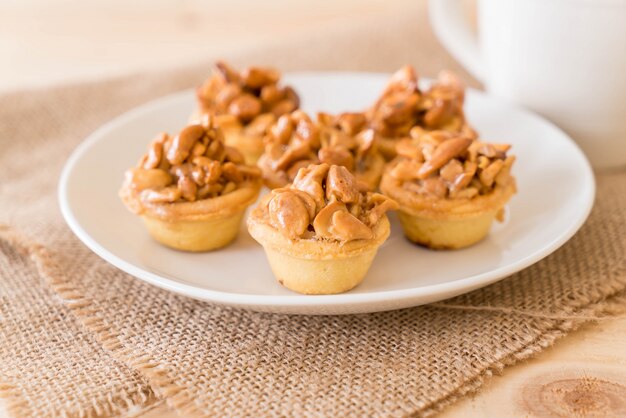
{"points": [[430, 214], [245, 104], [296, 141], [321, 233], [402, 107], [191, 191]]}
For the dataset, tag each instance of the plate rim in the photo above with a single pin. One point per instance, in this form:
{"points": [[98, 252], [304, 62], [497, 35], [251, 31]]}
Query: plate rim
{"points": [[432, 291]]}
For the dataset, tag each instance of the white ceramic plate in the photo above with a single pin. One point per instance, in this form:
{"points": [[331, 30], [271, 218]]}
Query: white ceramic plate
{"points": [[556, 191]]}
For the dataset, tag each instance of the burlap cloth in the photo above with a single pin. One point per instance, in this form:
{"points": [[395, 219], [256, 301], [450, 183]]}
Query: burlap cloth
{"points": [[80, 338]]}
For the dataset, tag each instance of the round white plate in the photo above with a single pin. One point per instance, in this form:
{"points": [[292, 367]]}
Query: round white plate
{"points": [[556, 191]]}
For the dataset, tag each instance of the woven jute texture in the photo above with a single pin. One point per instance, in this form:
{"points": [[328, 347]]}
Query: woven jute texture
{"points": [[80, 338]]}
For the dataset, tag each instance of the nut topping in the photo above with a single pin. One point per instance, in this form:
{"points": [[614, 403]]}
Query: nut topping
{"points": [[406, 169], [199, 166], [324, 220], [246, 107], [282, 129], [227, 72], [488, 175], [259, 125], [310, 180], [165, 195], [335, 222], [444, 153], [297, 151], [451, 170], [247, 95], [351, 123], [405, 149], [188, 188], [341, 185], [336, 155], [325, 202], [140, 179], [271, 94], [211, 169], [403, 107], [183, 142], [289, 214], [283, 107], [377, 206], [254, 77], [155, 153], [448, 165], [227, 95], [342, 139]]}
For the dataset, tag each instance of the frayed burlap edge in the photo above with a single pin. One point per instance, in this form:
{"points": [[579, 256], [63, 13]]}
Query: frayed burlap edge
{"points": [[119, 405], [122, 403], [598, 307]]}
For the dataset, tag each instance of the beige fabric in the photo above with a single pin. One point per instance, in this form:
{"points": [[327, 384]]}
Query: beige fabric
{"points": [[48, 362], [80, 338]]}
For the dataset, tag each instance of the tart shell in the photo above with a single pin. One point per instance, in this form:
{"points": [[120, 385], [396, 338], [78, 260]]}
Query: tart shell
{"points": [[317, 267], [250, 146], [439, 234], [194, 235], [203, 225], [447, 223]]}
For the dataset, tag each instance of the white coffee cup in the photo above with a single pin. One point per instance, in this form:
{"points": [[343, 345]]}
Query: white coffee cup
{"points": [[565, 59]]}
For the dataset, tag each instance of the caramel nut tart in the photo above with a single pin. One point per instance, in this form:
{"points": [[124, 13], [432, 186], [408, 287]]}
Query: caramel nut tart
{"points": [[402, 106], [449, 187], [321, 232], [191, 190], [296, 141], [245, 104]]}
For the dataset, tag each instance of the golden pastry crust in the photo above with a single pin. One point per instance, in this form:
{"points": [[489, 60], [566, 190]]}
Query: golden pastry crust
{"points": [[403, 106], [296, 141], [322, 232], [318, 267], [191, 190], [245, 104], [195, 235], [449, 187], [446, 225]]}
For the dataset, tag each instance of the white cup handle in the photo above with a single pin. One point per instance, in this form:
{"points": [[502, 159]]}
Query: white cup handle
{"points": [[454, 32]]}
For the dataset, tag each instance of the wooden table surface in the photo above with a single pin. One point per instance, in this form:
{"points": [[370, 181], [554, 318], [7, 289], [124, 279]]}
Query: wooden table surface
{"points": [[579, 376]]}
